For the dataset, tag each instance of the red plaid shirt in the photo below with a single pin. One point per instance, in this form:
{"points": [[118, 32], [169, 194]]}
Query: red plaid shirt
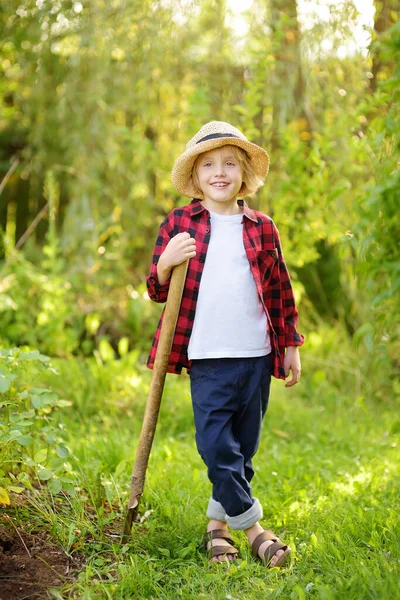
{"points": [[262, 246]]}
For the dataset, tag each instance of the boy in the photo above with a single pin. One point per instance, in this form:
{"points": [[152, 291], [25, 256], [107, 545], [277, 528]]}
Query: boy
{"points": [[236, 325]]}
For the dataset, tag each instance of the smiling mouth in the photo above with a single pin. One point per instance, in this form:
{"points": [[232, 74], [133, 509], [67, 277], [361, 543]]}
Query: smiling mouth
{"points": [[219, 185]]}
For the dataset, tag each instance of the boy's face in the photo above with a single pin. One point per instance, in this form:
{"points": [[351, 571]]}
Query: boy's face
{"points": [[220, 178]]}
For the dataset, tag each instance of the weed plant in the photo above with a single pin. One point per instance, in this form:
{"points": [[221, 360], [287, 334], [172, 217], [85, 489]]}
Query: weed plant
{"points": [[32, 446]]}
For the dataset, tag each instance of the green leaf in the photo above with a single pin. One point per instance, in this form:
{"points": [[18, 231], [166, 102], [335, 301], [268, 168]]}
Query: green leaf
{"points": [[37, 402], [25, 440], [45, 398], [45, 474], [41, 455], [62, 451], [34, 355], [66, 479], [68, 487], [50, 397], [29, 414], [56, 464], [54, 485], [13, 435], [16, 490], [25, 423], [5, 382], [15, 418]]}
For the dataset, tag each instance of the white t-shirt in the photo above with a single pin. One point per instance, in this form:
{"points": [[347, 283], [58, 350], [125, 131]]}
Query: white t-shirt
{"points": [[230, 321]]}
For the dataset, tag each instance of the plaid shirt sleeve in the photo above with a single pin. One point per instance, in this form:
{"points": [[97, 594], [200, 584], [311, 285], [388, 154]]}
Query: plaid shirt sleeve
{"points": [[159, 292], [290, 313]]}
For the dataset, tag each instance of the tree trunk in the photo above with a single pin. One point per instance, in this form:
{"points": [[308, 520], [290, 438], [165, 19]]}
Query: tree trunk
{"points": [[385, 17], [289, 90]]}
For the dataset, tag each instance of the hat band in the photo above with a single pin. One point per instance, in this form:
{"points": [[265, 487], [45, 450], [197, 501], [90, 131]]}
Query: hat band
{"points": [[214, 136]]}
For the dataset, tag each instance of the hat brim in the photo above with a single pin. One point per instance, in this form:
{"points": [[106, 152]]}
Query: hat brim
{"points": [[183, 166]]}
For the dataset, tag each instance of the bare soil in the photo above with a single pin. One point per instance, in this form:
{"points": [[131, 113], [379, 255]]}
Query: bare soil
{"points": [[30, 564]]}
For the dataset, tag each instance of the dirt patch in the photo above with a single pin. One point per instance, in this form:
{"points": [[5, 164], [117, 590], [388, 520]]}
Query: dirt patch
{"points": [[30, 563]]}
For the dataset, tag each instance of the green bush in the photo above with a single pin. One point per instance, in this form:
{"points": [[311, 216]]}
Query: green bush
{"points": [[33, 450], [378, 229], [38, 308], [63, 312]]}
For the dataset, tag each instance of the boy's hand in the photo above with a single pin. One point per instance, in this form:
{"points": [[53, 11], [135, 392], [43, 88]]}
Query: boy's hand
{"points": [[292, 362], [180, 248]]}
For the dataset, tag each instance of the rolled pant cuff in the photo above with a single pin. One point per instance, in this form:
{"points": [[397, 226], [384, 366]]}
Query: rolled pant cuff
{"points": [[246, 519], [215, 510]]}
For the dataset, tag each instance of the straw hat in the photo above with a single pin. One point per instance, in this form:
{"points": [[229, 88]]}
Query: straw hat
{"points": [[214, 135]]}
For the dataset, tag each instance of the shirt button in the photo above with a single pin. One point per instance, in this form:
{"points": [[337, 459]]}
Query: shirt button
{"points": [[207, 230], [202, 258]]}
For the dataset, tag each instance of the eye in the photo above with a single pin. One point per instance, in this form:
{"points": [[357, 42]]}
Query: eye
{"points": [[230, 163], [207, 164]]}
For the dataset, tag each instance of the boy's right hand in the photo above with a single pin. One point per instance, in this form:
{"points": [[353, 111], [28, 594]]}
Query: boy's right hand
{"points": [[180, 248]]}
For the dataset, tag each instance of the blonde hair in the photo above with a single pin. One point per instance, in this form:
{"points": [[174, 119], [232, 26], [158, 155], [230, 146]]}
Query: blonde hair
{"points": [[249, 177]]}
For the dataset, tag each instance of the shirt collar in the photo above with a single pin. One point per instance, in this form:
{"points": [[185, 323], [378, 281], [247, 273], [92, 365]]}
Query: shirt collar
{"points": [[196, 207], [247, 211]]}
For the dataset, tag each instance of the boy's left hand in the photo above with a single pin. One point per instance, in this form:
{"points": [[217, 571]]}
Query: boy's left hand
{"points": [[292, 362]]}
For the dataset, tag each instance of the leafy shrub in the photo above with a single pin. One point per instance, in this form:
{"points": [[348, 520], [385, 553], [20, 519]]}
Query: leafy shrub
{"points": [[62, 312], [37, 308], [32, 447], [378, 230]]}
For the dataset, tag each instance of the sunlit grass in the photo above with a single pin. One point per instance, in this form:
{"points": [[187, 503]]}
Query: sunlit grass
{"points": [[327, 474]]}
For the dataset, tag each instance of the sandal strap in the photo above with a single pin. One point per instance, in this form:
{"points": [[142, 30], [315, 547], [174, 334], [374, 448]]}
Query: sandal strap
{"points": [[221, 551], [265, 536], [220, 534], [272, 550]]}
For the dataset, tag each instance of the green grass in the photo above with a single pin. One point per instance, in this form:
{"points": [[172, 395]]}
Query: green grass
{"points": [[327, 474]]}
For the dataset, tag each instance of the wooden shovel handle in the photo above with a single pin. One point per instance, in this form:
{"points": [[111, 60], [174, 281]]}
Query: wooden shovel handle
{"points": [[168, 326]]}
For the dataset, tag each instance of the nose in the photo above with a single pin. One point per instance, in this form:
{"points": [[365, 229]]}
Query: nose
{"points": [[220, 170]]}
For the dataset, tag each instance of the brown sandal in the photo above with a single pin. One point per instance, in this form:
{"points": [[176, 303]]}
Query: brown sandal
{"points": [[272, 549], [220, 534]]}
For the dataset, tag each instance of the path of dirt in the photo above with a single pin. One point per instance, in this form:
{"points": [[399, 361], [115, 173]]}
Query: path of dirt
{"points": [[30, 563]]}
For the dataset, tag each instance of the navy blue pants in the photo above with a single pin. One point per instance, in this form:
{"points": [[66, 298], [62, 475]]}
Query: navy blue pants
{"points": [[230, 398]]}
